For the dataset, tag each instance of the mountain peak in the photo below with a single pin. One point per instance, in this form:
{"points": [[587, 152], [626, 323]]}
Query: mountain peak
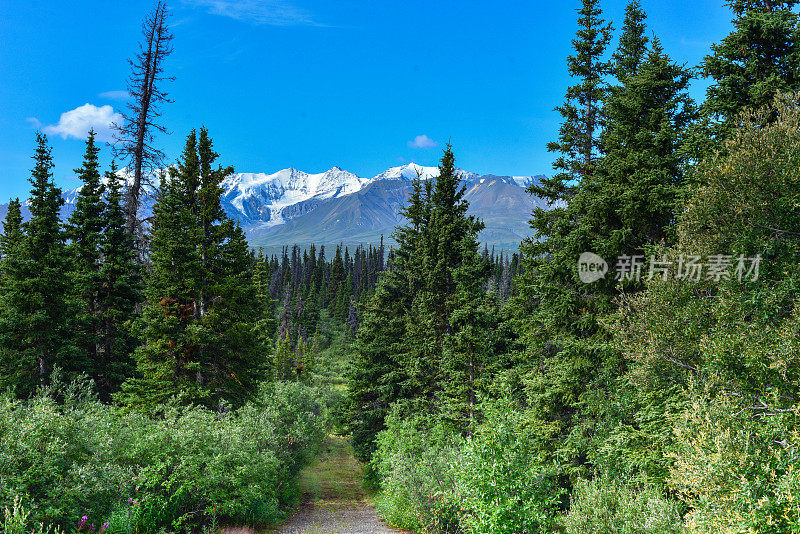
{"points": [[262, 199], [408, 172]]}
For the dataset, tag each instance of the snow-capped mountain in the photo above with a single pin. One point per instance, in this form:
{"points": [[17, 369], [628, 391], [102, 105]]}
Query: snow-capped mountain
{"points": [[412, 170], [267, 200], [263, 197], [291, 206]]}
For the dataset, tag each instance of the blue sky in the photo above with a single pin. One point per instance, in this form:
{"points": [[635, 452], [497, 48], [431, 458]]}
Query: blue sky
{"points": [[312, 84]]}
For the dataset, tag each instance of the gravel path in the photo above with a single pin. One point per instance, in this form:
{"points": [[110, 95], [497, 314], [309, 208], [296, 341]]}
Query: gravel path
{"points": [[328, 516], [334, 501]]}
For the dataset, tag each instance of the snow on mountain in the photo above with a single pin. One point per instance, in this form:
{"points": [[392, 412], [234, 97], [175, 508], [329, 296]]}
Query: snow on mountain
{"points": [[263, 197], [525, 181], [272, 199], [261, 202], [412, 170]]}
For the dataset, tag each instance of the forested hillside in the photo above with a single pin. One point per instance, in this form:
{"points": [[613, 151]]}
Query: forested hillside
{"points": [[182, 392], [633, 368], [643, 378]]}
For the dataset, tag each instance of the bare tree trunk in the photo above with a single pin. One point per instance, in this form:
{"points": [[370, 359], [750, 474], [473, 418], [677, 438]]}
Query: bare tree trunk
{"points": [[42, 370], [134, 190], [133, 139], [471, 394]]}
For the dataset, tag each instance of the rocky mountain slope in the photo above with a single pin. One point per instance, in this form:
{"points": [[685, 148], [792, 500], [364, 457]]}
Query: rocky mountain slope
{"points": [[337, 206]]}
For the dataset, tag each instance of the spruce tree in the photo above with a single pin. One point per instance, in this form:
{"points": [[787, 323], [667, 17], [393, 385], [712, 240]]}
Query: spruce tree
{"points": [[12, 229], [469, 349], [759, 59], [441, 245], [337, 276], [10, 240], [12, 274], [283, 359], [201, 319], [119, 295], [352, 319], [632, 48], [35, 312], [267, 324], [578, 138], [644, 166], [238, 357], [418, 347], [378, 376], [623, 209], [166, 362], [85, 230]]}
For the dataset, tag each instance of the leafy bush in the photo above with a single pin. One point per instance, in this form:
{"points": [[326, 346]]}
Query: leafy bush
{"points": [[417, 464], [738, 472], [434, 480], [503, 487], [612, 506], [61, 459], [141, 474]]}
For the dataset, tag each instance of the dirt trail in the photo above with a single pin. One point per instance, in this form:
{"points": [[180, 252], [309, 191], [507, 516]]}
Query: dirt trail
{"points": [[333, 499]]}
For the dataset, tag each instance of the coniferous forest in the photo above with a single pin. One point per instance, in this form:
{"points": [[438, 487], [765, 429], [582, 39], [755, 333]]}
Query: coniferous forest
{"points": [[634, 367]]}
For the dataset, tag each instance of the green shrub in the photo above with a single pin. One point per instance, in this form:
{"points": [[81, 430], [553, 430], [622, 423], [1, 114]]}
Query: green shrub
{"points": [[61, 459], [142, 474], [503, 486], [738, 472], [434, 480], [417, 465], [611, 506]]}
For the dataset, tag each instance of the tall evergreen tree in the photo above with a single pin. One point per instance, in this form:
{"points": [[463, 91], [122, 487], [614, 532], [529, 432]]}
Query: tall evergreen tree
{"points": [[35, 310], [626, 206], [578, 138], [378, 377], [12, 272], [12, 229], [201, 319], [337, 274], [85, 230], [469, 349], [632, 48], [119, 295], [759, 59], [166, 362], [416, 338], [441, 245], [352, 319], [267, 325], [10, 241]]}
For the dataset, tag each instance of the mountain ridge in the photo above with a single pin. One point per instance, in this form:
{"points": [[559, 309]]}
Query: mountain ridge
{"points": [[291, 206]]}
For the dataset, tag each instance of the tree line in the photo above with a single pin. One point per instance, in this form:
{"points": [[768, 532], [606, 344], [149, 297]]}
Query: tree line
{"points": [[200, 315], [632, 399]]}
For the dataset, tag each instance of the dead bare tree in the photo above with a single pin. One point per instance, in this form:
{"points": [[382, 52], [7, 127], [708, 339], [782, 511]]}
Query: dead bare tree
{"points": [[133, 139]]}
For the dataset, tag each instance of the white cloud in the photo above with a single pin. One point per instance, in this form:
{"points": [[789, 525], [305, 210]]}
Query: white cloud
{"points": [[272, 12], [77, 122], [422, 141], [33, 122], [115, 95]]}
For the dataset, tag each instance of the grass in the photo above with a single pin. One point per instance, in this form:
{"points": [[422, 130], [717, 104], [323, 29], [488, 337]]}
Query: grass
{"points": [[335, 477]]}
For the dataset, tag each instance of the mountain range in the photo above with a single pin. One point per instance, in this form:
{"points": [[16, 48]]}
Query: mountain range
{"points": [[336, 206]]}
